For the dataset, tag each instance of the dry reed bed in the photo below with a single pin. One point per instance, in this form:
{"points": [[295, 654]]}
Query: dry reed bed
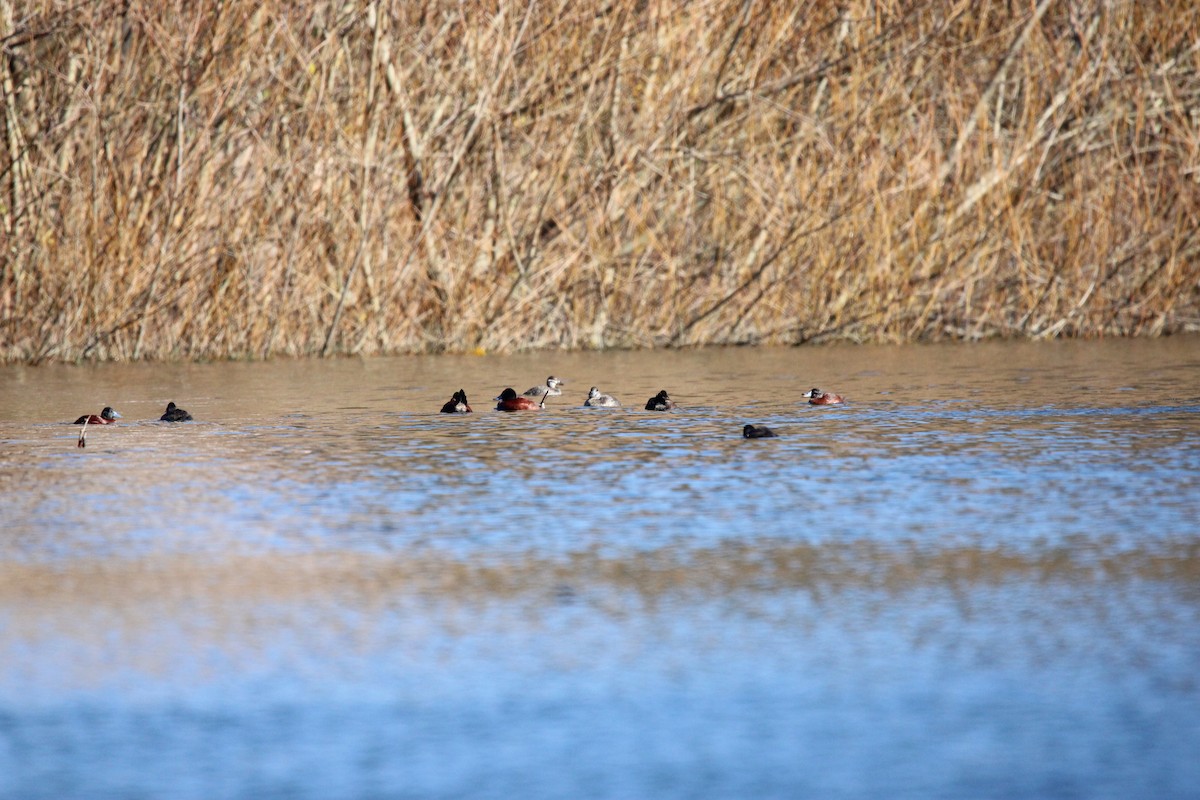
{"points": [[201, 179]]}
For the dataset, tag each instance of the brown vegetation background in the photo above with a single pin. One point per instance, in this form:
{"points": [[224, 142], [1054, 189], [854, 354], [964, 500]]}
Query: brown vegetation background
{"points": [[207, 178]]}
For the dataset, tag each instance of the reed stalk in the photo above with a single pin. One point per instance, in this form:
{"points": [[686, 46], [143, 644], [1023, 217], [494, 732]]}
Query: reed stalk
{"points": [[197, 179]]}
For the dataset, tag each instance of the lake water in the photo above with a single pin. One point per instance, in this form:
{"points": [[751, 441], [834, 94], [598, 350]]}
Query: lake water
{"points": [[980, 577]]}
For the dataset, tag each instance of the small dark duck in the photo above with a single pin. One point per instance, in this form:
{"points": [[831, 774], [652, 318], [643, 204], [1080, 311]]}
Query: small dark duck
{"points": [[758, 432], [457, 404], [660, 402], [175, 414]]}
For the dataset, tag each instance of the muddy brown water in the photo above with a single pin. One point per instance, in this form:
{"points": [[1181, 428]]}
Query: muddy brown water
{"points": [[980, 576]]}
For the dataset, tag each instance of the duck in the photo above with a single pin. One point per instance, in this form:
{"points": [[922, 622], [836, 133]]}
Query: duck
{"points": [[509, 400], [660, 402], [597, 400], [457, 404], [758, 432], [550, 389], [818, 398], [175, 414], [106, 417]]}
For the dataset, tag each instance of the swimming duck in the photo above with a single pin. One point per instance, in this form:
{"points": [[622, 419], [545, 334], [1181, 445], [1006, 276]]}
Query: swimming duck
{"points": [[660, 402], [457, 404], [550, 389], [758, 432], [818, 398], [175, 414], [597, 400], [105, 417], [509, 400]]}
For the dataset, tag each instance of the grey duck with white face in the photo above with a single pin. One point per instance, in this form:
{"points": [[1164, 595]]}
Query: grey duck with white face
{"points": [[550, 388], [597, 400]]}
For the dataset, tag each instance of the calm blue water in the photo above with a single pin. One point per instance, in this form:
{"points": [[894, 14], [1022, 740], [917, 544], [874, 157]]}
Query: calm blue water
{"points": [[944, 588]]}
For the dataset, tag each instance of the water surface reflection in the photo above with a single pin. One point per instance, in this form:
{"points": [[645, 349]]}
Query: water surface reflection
{"points": [[978, 578]]}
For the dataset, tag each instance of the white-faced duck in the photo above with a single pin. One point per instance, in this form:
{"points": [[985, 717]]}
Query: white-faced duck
{"points": [[509, 400], [106, 417], [597, 400], [758, 432], [818, 398], [660, 402], [457, 404], [175, 414], [549, 390]]}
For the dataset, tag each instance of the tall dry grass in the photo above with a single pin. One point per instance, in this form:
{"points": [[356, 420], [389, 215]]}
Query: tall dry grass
{"points": [[199, 179]]}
